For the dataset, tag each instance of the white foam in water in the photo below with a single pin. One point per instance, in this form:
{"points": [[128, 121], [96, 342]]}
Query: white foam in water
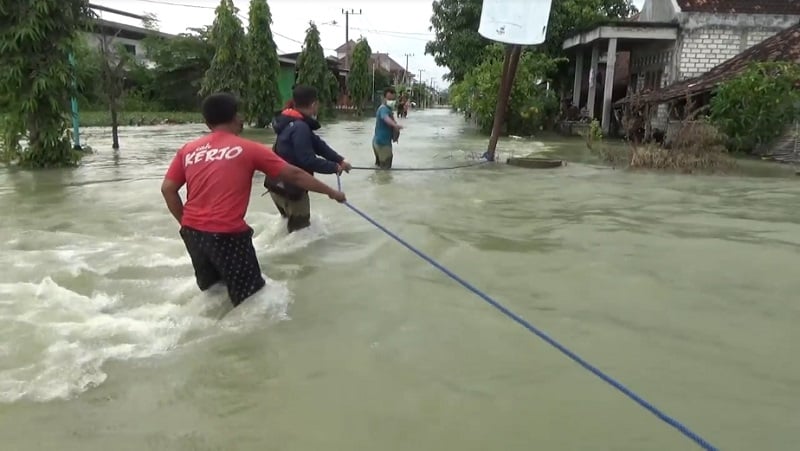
{"points": [[272, 238], [55, 341]]}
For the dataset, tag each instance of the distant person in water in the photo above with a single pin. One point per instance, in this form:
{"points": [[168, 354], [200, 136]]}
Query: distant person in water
{"points": [[402, 108], [217, 170], [299, 145], [387, 130]]}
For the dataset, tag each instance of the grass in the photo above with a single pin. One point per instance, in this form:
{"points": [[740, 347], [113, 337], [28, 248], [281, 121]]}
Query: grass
{"points": [[262, 135], [127, 118]]}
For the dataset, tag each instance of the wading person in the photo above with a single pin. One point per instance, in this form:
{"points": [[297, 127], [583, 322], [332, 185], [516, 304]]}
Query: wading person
{"points": [[386, 130], [217, 170], [298, 145]]}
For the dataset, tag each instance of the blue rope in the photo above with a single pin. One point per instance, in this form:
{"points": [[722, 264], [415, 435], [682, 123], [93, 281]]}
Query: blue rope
{"points": [[541, 334], [444, 168]]}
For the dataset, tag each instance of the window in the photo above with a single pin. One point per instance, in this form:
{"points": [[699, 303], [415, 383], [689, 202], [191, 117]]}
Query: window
{"points": [[130, 48]]}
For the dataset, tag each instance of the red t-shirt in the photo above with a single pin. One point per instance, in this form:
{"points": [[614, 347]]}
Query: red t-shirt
{"points": [[218, 172]]}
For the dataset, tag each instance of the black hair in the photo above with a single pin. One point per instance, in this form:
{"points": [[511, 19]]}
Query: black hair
{"points": [[304, 96], [389, 90], [220, 108]]}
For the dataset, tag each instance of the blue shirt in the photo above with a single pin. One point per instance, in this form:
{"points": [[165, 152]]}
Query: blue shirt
{"points": [[383, 132]]}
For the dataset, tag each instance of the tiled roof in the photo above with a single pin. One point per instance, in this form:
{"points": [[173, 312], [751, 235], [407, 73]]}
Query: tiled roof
{"points": [[346, 47], [791, 7], [784, 46]]}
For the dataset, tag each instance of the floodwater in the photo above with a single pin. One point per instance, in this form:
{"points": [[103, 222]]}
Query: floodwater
{"points": [[684, 288]]}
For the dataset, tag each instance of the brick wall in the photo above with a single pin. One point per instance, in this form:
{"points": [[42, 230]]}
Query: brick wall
{"points": [[704, 48], [707, 40]]}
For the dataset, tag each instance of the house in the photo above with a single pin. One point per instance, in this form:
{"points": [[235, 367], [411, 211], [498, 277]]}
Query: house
{"points": [[668, 42], [378, 61], [783, 46], [131, 37], [396, 72], [288, 76]]}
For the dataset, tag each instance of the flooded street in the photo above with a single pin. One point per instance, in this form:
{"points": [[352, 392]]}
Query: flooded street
{"points": [[684, 288]]}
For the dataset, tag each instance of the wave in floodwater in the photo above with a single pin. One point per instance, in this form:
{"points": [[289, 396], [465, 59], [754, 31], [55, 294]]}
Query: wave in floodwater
{"points": [[55, 338]]}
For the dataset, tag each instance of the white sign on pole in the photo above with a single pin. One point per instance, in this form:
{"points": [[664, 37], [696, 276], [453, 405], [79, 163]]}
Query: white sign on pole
{"points": [[519, 22]]}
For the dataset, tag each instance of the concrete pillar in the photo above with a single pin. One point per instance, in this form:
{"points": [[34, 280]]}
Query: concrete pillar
{"points": [[578, 84], [593, 80], [608, 90]]}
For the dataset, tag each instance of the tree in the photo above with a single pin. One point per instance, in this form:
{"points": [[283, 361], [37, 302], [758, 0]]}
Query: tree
{"points": [[567, 16], [457, 44], [359, 82], [263, 66], [114, 61], [312, 68], [752, 121], [180, 66], [382, 80], [333, 91], [36, 80], [532, 106], [228, 67], [459, 47]]}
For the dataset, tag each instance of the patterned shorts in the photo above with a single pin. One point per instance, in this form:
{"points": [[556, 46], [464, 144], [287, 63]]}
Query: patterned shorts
{"points": [[229, 258]]}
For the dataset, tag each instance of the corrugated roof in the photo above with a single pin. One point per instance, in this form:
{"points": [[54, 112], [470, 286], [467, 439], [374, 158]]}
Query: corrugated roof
{"points": [[784, 46], [790, 7]]}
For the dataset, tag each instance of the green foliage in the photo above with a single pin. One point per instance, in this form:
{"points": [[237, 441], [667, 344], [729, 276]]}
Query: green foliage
{"points": [[228, 71], [180, 66], [333, 91], [754, 109], [532, 106], [382, 79], [36, 80], [312, 69], [263, 96], [568, 16], [359, 81], [457, 45]]}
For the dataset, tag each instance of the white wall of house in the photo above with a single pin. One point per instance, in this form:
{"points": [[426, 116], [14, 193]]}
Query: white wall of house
{"points": [[707, 40], [704, 41], [136, 46]]}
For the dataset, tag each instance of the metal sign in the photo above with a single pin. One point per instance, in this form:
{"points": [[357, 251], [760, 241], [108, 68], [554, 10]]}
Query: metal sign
{"points": [[518, 22]]}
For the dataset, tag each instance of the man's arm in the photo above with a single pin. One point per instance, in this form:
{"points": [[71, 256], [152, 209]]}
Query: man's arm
{"points": [[388, 119], [325, 151], [170, 189], [298, 177], [267, 162], [305, 154], [173, 181]]}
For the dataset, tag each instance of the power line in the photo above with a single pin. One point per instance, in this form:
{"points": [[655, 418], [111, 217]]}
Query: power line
{"points": [[213, 8], [165, 2], [391, 33]]}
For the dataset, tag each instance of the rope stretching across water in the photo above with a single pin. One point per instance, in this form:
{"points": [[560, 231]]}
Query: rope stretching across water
{"points": [[445, 168], [700, 441]]}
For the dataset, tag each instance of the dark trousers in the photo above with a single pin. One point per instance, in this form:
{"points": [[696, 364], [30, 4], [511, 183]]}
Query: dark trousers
{"points": [[229, 258]]}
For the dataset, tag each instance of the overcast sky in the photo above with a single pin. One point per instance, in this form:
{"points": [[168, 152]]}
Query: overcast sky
{"points": [[398, 27]]}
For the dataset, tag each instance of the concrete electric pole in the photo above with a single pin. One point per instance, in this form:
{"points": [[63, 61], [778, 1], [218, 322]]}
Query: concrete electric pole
{"points": [[347, 13], [405, 75]]}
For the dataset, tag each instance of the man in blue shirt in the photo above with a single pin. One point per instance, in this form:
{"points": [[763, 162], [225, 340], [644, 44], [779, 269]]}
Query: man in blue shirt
{"points": [[297, 144], [386, 130]]}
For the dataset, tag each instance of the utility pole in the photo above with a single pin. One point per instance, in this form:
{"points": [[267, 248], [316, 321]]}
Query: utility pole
{"points": [[347, 13], [405, 75], [421, 90]]}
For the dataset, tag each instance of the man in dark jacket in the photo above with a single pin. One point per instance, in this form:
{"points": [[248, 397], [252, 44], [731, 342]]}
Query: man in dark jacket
{"points": [[298, 145]]}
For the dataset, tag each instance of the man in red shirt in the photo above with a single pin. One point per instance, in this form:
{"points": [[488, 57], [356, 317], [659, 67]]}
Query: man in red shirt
{"points": [[218, 172]]}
